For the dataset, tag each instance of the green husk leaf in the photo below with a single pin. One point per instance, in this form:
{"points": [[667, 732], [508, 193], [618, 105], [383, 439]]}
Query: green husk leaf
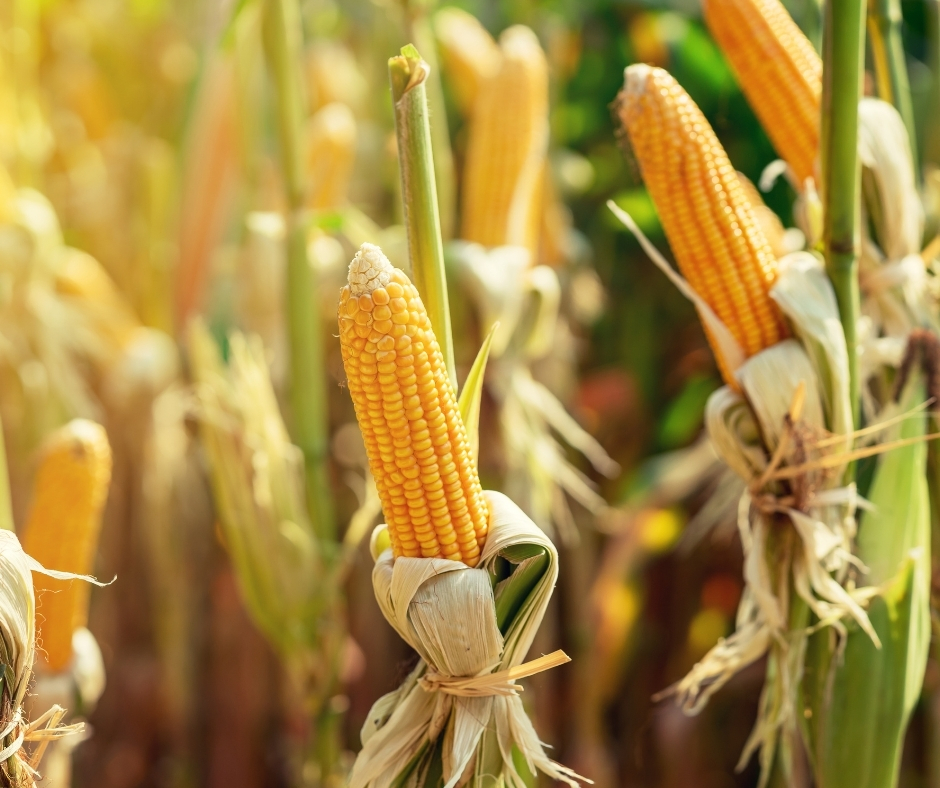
{"points": [[470, 396], [860, 701]]}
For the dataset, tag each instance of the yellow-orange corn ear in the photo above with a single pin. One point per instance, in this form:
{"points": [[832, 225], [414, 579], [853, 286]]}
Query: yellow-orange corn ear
{"points": [[417, 444], [504, 169], [718, 245], [469, 53], [331, 150], [778, 70], [769, 222], [69, 493]]}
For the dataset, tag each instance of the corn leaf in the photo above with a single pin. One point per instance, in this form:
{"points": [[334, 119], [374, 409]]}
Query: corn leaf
{"points": [[472, 392], [859, 701]]}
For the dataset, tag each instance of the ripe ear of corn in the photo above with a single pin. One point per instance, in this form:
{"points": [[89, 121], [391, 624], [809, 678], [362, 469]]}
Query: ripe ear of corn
{"points": [[779, 72], [331, 150], [416, 441], [470, 54], [69, 493], [504, 169], [718, 245]]}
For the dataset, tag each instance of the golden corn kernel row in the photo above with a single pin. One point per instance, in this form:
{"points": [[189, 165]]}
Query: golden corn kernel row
{"points": [[505, 165], [416, 441], [778, 70], [331, 150], [470, 55], [69, 493], [718, 245]]}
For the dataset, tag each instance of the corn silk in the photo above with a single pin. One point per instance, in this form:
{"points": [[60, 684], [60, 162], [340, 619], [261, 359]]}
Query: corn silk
{"points": [[459, 709]]}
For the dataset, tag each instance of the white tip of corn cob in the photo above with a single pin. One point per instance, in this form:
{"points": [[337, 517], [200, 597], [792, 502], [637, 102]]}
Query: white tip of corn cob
{"points": [[369, 270], [635, 78]]}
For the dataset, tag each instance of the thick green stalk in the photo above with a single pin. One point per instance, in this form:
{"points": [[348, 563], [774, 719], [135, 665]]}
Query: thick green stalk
{"points": [[308, 376], [444, 172], [408, 74], [843, 62], [887, 47]]}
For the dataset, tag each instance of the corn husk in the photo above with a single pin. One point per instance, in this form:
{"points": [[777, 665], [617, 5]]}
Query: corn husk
{"points": [[458, 623], [17, 652], [892, 274]]}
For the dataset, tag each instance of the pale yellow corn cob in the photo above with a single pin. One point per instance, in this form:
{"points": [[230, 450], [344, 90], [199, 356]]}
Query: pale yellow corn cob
{"points": [[504, 169], [331, 150], [407, 410], [469, 53]]}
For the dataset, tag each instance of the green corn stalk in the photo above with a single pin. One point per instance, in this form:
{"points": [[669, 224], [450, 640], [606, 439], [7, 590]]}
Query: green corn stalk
{"points": [[408, 74], [843, 62], [280, 25]]}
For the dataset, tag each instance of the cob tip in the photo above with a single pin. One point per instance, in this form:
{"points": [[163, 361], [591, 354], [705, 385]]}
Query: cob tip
{"points": [[369, 270]]}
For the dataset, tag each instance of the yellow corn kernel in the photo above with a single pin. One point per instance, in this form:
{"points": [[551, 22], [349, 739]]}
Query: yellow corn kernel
{"points": [[415, 438], [779, 72], [769, 222], [718, 245], [69, 493], [470, 55], [331, 150], [504, 169]]}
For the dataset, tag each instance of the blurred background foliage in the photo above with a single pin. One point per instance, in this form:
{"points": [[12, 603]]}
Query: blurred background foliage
{"points": [[113, 105]]}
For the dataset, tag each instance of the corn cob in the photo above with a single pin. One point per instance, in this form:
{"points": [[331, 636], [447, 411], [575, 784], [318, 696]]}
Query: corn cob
{"points": [[719, 247], [504, 169], [769, 222], [470, 55], [331, 148], [415, 439], [69, 494], [779, 72]]}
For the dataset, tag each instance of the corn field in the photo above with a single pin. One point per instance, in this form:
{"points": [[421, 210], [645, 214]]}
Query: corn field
{"points": [[397, 394]]}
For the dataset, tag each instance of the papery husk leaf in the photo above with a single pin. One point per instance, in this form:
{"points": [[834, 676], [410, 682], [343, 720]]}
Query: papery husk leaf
{"points": [[805, 294], [885, 150], [770, 378], [447, 612]]}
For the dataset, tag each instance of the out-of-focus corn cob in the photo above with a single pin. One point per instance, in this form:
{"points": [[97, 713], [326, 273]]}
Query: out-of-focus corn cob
{"points": [[333, 74], [719, 246], [778, 70], [470, 55], [415, 438], [69, 494], [504, 168], [331, 150]]}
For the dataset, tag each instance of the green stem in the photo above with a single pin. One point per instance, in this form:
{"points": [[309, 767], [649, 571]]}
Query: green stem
{"points": [[843, 61], [408, 74], [281, 31], [884, 31], [444, 172]]}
